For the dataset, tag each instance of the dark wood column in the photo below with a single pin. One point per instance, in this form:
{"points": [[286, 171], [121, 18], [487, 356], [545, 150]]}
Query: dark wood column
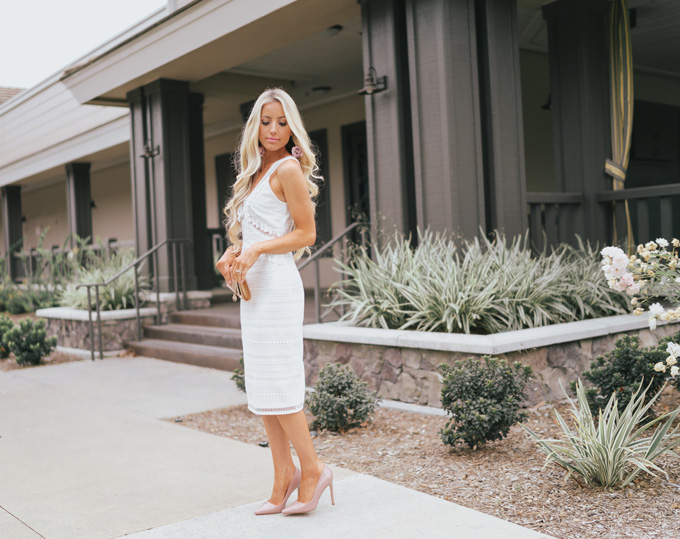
{"points": [[388, 121], [579, 86], [79, 201], [11, 224], [447, 128], [168, 176], [501, 111]]}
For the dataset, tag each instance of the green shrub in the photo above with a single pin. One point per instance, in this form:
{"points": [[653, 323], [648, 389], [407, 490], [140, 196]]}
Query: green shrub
{"points": [[620, 372], [5, 325], [611, 451], [239, 376], [483, 399], [29, 342], [482, 287], [341, 401]]}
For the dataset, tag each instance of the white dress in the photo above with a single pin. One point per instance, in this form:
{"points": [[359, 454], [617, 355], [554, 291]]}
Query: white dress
{"points": [[271, 321]]}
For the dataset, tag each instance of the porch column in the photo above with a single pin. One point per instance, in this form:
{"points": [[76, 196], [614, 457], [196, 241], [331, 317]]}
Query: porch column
{"points": [[579, 87], [388, 121], [501, 110], [168, 177], [11, 224], [445, 108], [78, 201]]}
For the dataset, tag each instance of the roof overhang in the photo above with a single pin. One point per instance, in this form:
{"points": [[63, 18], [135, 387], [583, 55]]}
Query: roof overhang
{"points": [[199, 40]]}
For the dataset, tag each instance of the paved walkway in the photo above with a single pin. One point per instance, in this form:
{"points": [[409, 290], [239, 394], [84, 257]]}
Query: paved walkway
{"points": [[83, 454]]}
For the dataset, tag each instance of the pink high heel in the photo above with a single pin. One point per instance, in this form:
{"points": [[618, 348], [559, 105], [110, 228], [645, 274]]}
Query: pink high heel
{"points": [[325, 480], [268, 508]]}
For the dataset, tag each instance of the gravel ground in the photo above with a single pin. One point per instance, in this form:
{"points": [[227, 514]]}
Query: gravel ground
{"points": [[505, 478]]}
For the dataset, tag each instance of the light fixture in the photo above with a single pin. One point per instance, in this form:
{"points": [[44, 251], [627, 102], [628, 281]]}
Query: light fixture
{"points": [[373, 84], [333, 30]]}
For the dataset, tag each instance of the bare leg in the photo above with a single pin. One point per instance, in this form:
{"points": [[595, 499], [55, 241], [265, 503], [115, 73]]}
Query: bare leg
{"points": [[297, 431], [284, 468]]}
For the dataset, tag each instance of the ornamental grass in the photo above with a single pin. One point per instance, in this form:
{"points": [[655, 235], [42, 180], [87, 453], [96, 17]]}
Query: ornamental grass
{"points": [[484, 286]]}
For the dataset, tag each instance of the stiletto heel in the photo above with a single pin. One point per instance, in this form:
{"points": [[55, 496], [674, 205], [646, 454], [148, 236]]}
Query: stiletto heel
{"points": [[325, 480], [268, 508]]}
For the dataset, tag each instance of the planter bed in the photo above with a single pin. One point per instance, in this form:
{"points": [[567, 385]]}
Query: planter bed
{"points": [[403, 364]]}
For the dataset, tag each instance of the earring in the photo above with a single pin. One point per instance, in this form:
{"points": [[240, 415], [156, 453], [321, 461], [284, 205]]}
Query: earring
{"points": [[296, 152], [261, 150]]}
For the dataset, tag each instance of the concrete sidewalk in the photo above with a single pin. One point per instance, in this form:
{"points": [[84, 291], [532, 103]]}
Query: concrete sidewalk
{"points": [[83, 454]]}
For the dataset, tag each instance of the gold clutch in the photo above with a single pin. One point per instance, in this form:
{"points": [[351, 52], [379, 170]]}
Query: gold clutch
{"points": [[241, 290]]}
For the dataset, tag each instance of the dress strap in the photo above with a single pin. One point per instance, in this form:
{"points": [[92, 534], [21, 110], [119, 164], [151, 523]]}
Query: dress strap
{"points": [[275, 165]]}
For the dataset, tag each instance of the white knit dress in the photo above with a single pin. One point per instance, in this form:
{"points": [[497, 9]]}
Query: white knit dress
{"points": [[271, 321]]}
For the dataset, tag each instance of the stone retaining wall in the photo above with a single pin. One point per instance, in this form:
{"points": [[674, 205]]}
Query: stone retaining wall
{"points": [[411, 374], [76, 333]]}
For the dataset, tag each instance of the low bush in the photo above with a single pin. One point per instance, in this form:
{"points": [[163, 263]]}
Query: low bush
{"points": [[483, 399], [340, 400], [611, 451], [482, 286], [5, 325], [620, 372], [29, 342]]}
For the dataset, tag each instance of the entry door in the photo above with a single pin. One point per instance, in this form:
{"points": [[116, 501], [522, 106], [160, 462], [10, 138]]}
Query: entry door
{"points": [[355, 161]]}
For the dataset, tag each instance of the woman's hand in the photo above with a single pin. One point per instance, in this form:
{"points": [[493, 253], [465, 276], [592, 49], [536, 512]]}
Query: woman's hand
{"points": [[224, 264], [244, 262]]}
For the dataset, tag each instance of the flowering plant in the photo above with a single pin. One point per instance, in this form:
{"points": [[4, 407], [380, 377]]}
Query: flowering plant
{"points": [[654, 271]]}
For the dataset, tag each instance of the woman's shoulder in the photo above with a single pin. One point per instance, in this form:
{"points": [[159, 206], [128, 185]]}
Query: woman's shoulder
{"points": [[289, 167]]}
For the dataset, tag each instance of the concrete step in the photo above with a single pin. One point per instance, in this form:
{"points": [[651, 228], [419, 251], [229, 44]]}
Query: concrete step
{"points": [[214, 357], [212, 317], [207, 335]]}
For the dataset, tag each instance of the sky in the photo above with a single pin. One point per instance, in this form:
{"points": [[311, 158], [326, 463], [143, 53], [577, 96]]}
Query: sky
{"points": [[40, 37]]}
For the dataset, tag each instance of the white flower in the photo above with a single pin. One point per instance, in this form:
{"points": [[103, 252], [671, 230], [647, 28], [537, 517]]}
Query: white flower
{"points": [[674, 370], [611, 251], [620, 260], [652, 323], [670, 361], [673, 349], [656, 309], [661, 242], [660, 367], [633, 289]]}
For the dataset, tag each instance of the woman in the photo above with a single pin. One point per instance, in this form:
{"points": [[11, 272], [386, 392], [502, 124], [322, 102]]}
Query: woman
{"points": [[270, 223]]}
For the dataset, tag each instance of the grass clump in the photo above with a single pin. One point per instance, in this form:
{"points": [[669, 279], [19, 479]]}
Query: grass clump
{"points": [[29, 342], [613, 450], [482, 287]]}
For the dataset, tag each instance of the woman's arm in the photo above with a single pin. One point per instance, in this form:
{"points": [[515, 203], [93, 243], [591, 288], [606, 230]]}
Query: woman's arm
{"points": [[301, 210]]}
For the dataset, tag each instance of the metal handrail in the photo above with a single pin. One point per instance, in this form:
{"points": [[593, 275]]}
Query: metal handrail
{"points": [[135, 263], [317, 255]]}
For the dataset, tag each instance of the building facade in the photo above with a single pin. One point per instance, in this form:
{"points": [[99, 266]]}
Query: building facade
{"points": [[489, 115]]}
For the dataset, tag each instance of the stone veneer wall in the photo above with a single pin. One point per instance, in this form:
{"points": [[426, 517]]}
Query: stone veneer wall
{"points": [[411, 374], [76, 333]]}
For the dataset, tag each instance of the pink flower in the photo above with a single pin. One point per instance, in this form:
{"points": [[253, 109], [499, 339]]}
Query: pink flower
{"points": [[633, 289], [296, 152]]}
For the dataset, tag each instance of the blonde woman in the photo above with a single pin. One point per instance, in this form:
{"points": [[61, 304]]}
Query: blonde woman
{"points": [[270, 224]]}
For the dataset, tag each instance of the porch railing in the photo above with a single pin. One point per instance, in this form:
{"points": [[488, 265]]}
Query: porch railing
{"points": [[175, 244], [325, 249], [551, 218], [651, 210]]}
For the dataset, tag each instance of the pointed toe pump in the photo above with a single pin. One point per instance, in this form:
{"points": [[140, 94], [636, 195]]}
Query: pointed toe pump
{"points": [[325, 480], [268, 508]]}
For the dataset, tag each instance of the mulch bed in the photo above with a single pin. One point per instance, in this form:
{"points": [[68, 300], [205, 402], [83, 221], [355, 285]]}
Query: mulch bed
{"points": [[505, 478]]}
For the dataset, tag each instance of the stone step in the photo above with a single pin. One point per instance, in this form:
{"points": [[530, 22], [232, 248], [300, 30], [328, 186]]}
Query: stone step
{"points": [[214, 357], [224, 337], [213, 317]]}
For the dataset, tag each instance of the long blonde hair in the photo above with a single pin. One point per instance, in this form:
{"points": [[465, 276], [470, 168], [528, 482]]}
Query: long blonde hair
{"points": [[248, 161]]}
